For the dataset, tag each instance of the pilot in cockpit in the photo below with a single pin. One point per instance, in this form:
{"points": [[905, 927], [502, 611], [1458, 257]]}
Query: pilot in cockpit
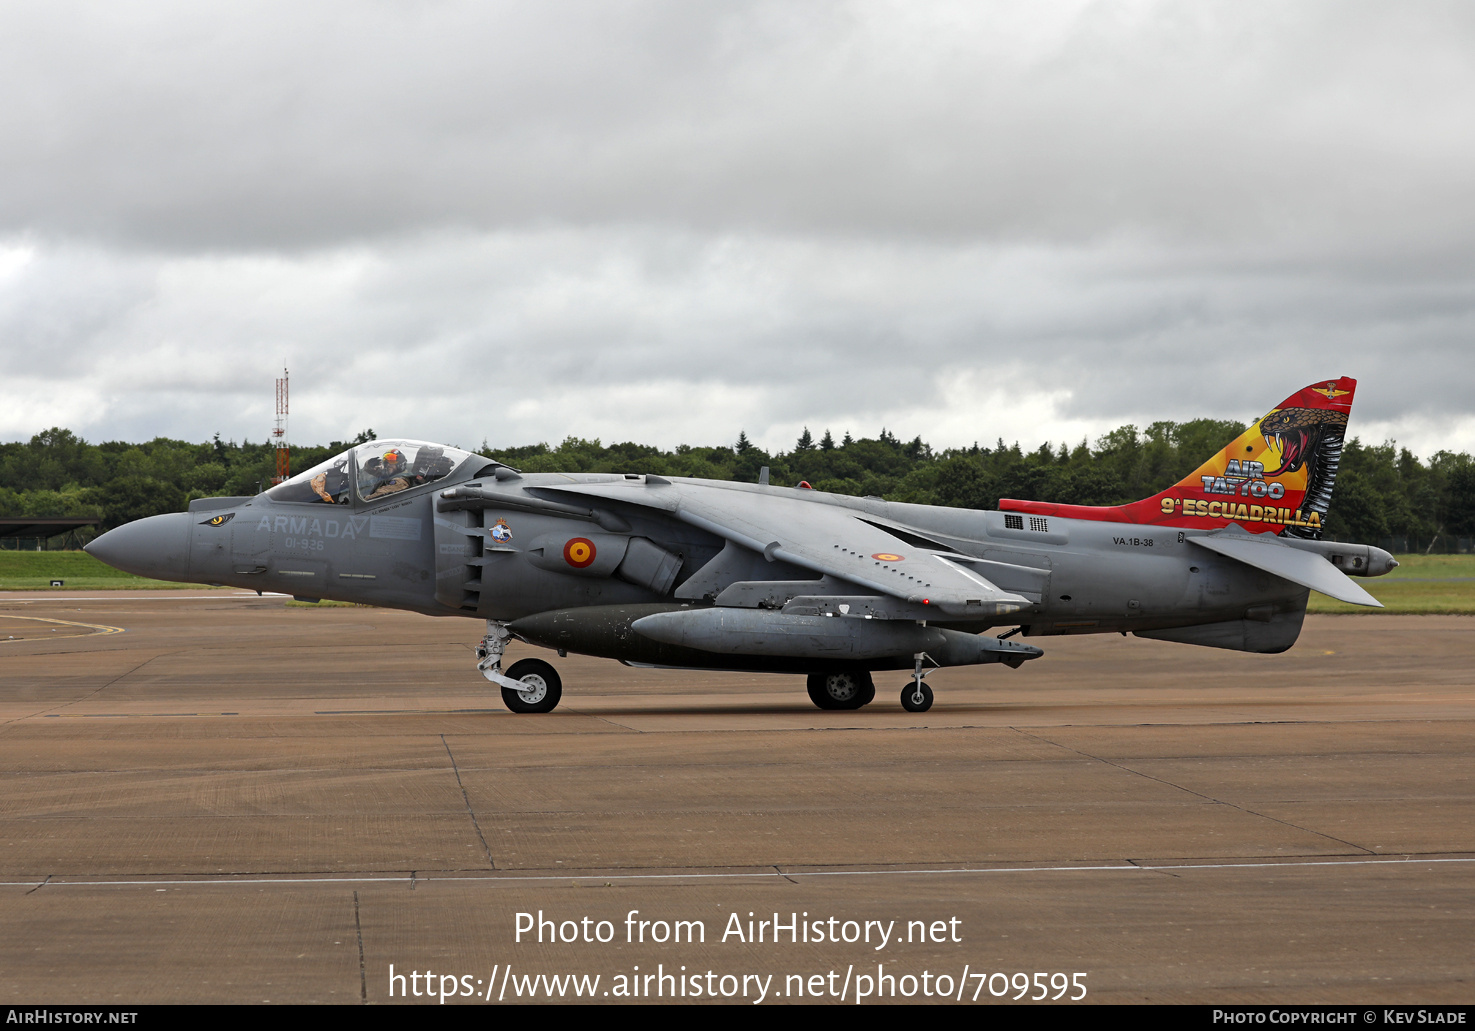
{"points": [[391, 472], [387, 474], [384, 468]]}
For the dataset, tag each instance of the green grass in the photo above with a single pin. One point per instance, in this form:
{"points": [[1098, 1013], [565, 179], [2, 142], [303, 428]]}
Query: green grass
{"points": [[1421, 585], [34, 571]]}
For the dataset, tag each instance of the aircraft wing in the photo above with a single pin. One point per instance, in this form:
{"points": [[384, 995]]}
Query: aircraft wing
{"points": [[1299, 567], [822, 538]]}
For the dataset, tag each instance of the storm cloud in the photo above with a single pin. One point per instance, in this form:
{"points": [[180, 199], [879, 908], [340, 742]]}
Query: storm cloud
{"points": [[667, 221]]}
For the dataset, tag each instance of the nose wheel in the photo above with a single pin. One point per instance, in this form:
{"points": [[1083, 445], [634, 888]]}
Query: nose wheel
{"points": [[529, 685], [541, 688]]}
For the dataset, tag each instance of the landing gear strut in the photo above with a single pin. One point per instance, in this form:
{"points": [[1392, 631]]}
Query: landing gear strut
{"points": [[530, 685], [917, 696]]}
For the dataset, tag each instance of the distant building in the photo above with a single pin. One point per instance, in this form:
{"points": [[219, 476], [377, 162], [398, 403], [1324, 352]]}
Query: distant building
{"points": [[40, 533]]}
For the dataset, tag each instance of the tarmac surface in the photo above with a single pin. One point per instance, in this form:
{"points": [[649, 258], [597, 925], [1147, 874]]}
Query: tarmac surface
{"points": [[213, 797]]}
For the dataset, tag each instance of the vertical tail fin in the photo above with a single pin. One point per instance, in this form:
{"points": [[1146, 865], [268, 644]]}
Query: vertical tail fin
{"points": [[1276, 477]]}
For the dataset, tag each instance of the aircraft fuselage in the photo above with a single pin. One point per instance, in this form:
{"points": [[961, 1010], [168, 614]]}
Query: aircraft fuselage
{"points": [[1079, 576]]}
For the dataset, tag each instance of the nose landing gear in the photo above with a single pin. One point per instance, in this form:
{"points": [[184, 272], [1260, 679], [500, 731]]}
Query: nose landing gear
{"points": [[541, 687], [529, 685]]}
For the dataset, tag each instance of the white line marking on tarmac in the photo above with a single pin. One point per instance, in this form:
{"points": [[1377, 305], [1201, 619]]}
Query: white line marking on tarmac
{"points": [[419, 877]]}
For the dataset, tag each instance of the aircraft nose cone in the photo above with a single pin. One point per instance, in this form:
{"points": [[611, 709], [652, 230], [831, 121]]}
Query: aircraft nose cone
{"points": [[156, 547]]}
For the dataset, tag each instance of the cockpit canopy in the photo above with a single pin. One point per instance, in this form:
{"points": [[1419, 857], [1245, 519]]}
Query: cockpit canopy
{"points": [[372, 471]]}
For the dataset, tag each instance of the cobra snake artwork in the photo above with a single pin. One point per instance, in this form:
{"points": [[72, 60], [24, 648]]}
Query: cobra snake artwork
{"points": [[1309, 437]]}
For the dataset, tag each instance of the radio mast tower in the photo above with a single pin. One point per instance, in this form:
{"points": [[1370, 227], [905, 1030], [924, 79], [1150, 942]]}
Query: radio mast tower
{"points": [[279, 433]]}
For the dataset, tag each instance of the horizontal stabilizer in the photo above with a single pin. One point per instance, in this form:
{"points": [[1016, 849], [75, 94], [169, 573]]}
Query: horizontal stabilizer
{"points": [[1299, 567]]}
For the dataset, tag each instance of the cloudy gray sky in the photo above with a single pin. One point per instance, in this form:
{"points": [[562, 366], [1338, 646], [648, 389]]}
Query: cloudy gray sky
{"points": [[666, 222]]}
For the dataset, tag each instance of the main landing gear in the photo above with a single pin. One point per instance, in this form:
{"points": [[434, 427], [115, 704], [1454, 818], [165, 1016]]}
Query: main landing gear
{"points": [[529, 685], [842, 689], [851, 689]]}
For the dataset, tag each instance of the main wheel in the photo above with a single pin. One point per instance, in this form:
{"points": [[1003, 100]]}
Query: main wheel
{"points": [[841, 689], [543, 689], [916, 697]]}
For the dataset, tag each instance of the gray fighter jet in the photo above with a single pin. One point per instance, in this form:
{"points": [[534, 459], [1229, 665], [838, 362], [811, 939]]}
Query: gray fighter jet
{"points": [[703, 574]]}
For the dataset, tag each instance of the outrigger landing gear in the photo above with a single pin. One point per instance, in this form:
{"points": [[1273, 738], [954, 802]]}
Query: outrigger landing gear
{"points": [[530, 685], [917, 696], [841, 689]]}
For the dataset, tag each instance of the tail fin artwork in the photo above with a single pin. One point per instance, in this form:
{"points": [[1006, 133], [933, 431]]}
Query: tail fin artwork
{"points": [[1276, 477]]}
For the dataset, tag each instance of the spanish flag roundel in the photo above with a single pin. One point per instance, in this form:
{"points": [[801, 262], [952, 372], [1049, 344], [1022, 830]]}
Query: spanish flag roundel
{"points": [[579, 552]]}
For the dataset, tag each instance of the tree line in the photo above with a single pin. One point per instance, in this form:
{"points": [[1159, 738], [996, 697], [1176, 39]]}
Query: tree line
{"points": [[1381, 490]]}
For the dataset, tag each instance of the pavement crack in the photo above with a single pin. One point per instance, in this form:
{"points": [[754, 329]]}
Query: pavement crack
{"points": [[784, 875], [358, 927], [90, 694], [1151, 869], [467, 798], [1199, 794], [40, 886], [605, 719]]}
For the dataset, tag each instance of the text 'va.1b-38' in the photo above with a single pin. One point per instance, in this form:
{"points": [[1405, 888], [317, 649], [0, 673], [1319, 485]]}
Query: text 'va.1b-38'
{"points": [[704, 574]]}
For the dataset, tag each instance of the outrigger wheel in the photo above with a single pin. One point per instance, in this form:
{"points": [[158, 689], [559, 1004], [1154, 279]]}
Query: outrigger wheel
{"points": [[543, 689], [917, 696], [841, 689]]}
